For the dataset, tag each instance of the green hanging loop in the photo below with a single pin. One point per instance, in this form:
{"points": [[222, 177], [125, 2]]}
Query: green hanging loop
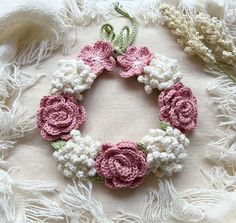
{"points": [[125, 38]]}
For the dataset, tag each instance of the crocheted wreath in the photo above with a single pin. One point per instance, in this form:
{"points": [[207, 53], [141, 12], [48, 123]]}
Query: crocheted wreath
{"points": [[125, 164]]}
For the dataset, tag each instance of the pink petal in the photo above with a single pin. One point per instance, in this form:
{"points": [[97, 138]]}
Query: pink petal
{"points": [[109, 63]]}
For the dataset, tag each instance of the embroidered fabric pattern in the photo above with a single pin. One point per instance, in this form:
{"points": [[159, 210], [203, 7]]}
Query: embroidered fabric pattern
{"points": [[125, 164]]}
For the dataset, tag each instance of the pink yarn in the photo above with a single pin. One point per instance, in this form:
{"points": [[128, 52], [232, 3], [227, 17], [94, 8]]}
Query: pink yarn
{"points": [[178, 107], [122, 165], [98, 57], [134, 61], [58, 115]]}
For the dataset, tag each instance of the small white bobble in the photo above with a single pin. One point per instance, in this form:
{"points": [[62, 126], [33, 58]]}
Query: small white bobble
{"points": [[73, 77], [161, 73], [77, 157], [165, 151]]}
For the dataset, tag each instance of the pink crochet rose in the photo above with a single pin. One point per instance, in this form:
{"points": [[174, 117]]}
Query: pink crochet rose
{"points": [[122, 165], [134, 61], [178, 107], [58, 115], [98, 57]]}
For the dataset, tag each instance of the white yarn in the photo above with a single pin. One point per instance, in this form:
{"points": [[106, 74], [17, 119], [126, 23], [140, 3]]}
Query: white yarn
{"points": [[14, 123], [24, 201], [229, 16], [89, 11], [223, 93], [165, 206], [160, 74], [46, 21], [77, 157], [223, 151], [80, 206], [73, 77], [165, 151]]}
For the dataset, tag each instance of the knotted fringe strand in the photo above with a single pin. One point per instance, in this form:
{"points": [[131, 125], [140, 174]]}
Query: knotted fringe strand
{"points": [[223, 151], [14, 123], [164, 206], [229, 16], [223, 93], [80, 206], [97, 10], [25, 198], [41, 209]]}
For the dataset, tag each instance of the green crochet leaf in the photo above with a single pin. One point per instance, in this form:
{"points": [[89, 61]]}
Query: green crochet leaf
{"points": [[142, 146], [58, 144], [97, 179], [164, 125]]}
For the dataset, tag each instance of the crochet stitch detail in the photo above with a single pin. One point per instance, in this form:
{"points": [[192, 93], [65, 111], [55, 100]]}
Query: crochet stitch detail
{"points": [[122, 165], [134, 61], [178, 107], [58, 115], [98, 57], [165, 151], [72, 77], [161, 73], [77, 157]]}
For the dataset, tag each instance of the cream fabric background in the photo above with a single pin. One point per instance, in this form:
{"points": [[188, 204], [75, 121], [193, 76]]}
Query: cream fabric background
{"points": [[119, 109]]}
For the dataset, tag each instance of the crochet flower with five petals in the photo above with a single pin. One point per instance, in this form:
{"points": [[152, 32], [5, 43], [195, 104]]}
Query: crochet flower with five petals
{"points": [[122, 165], [134, 61], [98, 57], [58, 115]]}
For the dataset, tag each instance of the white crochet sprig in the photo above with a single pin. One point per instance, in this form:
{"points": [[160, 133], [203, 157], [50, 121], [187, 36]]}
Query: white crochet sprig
{"points": [[187, 34], [161, 73], [76, 159], [73, 77], [217, 37], [165, 151]]}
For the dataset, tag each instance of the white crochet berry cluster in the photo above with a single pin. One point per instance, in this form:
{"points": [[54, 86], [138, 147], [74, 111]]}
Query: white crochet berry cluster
{"points": [[161, 73], [73, 77], [165, 151], [77, 157]]}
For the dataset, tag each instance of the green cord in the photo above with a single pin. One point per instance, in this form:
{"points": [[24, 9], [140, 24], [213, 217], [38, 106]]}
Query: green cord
{"points": [[125, 38]]}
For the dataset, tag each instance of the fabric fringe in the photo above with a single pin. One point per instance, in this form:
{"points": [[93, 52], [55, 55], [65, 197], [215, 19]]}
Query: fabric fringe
{"points": [[164, 206], [230, 16], [223, 93], [35, 51], [223, 151], [14, 123], [25, 199], [41, 209], [80, 206], [98, 10]]}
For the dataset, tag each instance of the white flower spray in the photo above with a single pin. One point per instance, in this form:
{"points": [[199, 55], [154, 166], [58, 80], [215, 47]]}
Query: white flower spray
{"points": [[76, 158], [72, 77], [187, 34], [161, 73], [203, 36], [217, 37], [166, 151]]}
